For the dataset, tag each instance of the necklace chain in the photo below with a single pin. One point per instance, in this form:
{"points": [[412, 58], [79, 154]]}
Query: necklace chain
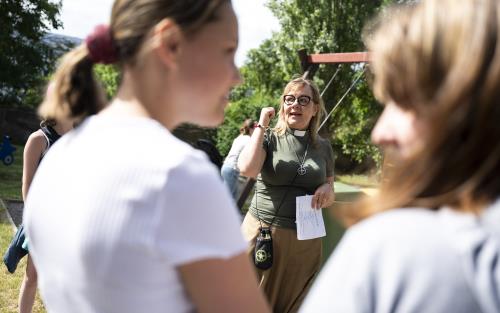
{"points": [[301, 170]]}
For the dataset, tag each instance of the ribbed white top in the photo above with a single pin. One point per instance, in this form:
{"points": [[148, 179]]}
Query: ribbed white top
{"points": [[114, 207]]}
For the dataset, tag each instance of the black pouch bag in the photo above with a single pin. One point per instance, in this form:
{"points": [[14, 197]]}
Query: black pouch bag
{"points": [[263, 253]]}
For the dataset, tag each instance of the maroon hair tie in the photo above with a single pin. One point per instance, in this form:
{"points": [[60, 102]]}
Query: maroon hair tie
{"points": [[100, 45]]}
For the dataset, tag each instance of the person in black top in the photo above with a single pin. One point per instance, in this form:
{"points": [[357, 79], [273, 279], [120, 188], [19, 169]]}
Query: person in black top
{"points": [[36, 147]]}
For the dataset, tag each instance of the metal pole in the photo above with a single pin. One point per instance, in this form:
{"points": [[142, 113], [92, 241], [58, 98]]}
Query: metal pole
{"points": [[331, 80], [342, 98]]}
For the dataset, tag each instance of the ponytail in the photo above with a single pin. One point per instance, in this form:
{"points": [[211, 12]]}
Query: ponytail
{"points": [[247, 126], [75, 92]]}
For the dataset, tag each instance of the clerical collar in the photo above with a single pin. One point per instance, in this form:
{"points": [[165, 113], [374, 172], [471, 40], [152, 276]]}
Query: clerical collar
{"points": [[299, 133], [296, 132]]}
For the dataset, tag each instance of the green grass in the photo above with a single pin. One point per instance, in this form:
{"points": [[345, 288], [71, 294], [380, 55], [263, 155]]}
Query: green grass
{"points": [[10, 188], [11, 177], [359, 180], [10, 283]]}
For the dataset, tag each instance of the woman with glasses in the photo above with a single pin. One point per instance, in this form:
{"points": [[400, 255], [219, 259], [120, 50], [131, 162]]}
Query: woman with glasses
{"points": [[289, 161]]}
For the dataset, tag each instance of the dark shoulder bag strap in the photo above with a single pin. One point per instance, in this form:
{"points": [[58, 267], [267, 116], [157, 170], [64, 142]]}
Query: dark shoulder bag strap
{"points": [[51, 134]]}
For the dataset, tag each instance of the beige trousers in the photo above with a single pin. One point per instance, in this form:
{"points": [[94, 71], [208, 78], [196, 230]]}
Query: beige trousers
{"points": [[295, 264]]}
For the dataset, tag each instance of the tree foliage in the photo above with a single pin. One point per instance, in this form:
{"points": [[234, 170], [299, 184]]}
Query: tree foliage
{"points": [[109, 76], [239, 110], [320, 26], [25, 59]]}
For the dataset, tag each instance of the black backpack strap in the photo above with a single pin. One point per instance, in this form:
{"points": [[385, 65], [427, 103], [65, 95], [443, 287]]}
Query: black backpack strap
{"points": [[245, 192], [51, 135], [211, 150]]}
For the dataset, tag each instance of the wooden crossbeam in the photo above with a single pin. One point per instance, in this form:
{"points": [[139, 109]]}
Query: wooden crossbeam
{"points": [[311, 62], [348, 57]]}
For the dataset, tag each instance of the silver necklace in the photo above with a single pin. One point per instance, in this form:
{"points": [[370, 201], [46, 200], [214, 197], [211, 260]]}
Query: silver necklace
{"points": [[301, 170]]}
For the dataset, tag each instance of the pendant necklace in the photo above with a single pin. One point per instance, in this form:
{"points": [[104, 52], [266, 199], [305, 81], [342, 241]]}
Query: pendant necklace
{"points": [[302, 169]]}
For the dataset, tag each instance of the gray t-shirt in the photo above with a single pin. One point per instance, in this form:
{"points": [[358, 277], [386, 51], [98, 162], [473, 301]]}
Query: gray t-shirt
{"points": [[274, 183], [414, 260]]}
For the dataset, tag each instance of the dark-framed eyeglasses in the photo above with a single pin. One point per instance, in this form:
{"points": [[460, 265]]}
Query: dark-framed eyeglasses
{"points": [[301, 100]]}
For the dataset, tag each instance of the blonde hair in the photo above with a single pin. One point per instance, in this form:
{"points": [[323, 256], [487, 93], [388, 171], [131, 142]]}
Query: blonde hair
{"points": [[441, 59], [76, 93], [281, 124]]}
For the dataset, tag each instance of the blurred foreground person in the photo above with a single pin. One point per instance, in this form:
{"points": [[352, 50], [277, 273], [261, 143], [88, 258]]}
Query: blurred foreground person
{"points": [[430, 241], [122, 216]]}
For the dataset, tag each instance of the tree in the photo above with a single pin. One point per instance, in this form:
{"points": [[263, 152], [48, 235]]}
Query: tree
{"points": [[25, 59]]}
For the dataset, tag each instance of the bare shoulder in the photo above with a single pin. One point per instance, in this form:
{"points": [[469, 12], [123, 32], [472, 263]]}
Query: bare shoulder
{"points": [[37, 134], [36, 141]]}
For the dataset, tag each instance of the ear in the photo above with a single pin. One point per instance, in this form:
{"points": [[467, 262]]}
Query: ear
{"points": [[167, 38]]}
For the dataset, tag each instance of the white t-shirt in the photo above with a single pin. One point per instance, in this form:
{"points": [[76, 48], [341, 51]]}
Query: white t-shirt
{"points": [[116, 205], [412, 261], [238, 144]]}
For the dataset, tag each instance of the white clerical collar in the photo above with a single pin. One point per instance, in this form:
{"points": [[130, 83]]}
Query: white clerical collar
{"points": [[299, 133]]}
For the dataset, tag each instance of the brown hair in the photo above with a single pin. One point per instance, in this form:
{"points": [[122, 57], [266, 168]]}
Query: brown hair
{"points": [[247, 126], [446, 68], [281, 125], [77, 94]]}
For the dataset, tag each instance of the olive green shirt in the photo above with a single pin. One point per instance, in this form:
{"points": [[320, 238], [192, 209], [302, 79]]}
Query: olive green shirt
{"points": [[274, 183]]}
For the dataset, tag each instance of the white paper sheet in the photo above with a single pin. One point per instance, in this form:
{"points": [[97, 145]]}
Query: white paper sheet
{"points": [[310, 223]]}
